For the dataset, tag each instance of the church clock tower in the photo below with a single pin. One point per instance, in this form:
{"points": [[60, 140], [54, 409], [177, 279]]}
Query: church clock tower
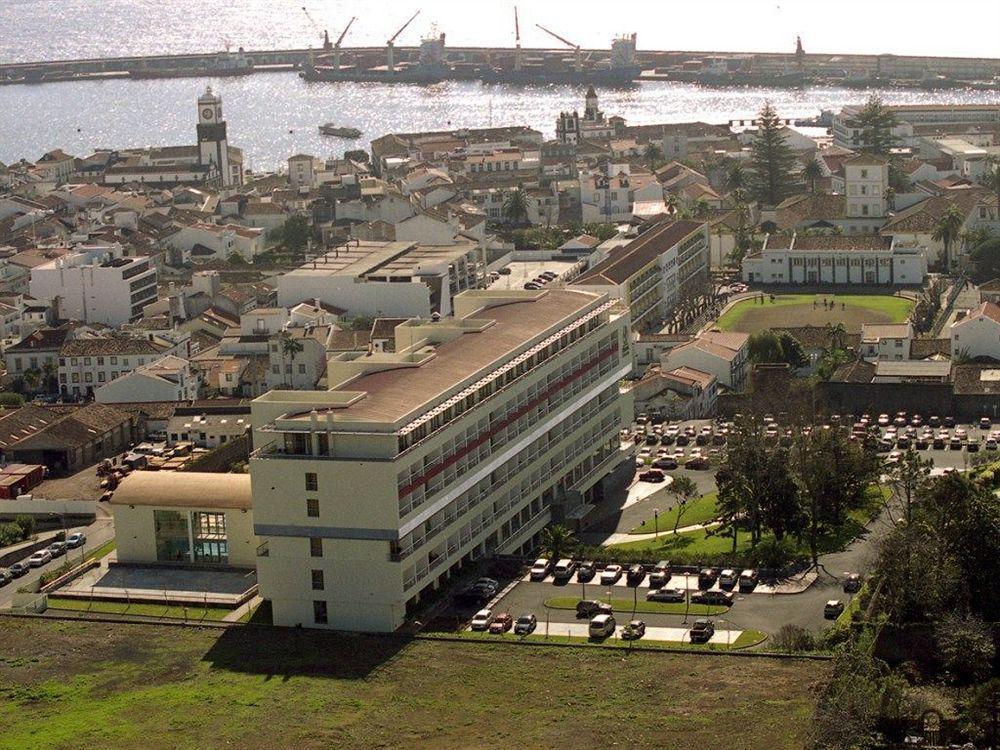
{"points": [[212, 145]]}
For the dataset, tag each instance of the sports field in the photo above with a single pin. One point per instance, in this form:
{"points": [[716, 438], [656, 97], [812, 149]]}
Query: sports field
{"points": [[794, 310]]}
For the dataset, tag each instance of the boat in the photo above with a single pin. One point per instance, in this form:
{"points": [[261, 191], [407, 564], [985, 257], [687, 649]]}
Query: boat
{"points": [[220, 64], [329, 128]]}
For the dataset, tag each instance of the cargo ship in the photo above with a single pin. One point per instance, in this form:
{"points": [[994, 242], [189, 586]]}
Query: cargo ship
{"points": [[328, 128], [222, 64]]}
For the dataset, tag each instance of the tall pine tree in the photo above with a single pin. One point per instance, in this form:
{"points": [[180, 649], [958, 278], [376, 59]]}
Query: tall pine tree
{"points": [[773, 161], [876, 122]]}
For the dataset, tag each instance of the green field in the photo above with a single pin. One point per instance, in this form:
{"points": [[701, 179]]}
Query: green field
{"points": [[794, 310], [90, 685], [625, 606], [700, 510]]}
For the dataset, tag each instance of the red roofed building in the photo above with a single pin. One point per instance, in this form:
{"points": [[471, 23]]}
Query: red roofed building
{"points": [[978, 333]]}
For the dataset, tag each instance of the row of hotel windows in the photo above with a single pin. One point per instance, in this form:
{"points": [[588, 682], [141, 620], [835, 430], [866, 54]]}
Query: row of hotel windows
{"points": [[838, 261], [581, 459], [87, 361], [500, 436], [492, 485], [88, 377]]}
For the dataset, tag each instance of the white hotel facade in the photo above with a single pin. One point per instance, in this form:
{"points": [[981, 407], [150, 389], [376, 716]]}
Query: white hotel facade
{"points": [[480, 430]]}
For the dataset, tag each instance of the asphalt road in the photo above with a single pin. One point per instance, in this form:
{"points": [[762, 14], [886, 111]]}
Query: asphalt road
{"points": [[98, 533]]}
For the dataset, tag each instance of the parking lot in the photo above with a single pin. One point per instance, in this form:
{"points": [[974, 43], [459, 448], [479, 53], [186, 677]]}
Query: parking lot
{"points": [[521, 272]]}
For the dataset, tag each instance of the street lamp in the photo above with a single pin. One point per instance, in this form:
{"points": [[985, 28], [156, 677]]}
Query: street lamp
{"points": [[656, 523]]}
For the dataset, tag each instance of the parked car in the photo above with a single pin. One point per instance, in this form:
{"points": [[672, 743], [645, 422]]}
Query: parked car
{"points": [[525, 625], [586, 571], [18, 569], [833, 609], [749, 579], [564, 570], [601, 626], [985, 423], [636, 575], [5, 577], [666, 595], [57, 549], [482, 619], [532, 286], [76, 540], [702, 631], [660, 575], [501, 623], [934, 421], [728, 578], [634, 630], [707, 578], [949, 422], [852, 584], [665, 463], [725, 598], [653, 475], [540, 569], [611, 574], [39, 558], [883, 420], [590, 607], [698, 463]]}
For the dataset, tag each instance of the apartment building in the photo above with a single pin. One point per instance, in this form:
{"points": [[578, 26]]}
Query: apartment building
{"points": [[88, 363], [722, 354], [97, 284], [652, 273], [951, 118], [886, 341], [167, 378], [977, 334], [465, 442]]}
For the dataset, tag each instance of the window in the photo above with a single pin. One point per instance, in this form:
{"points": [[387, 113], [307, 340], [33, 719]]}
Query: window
{"points": [[312, 507], [88, 377], [864, 174], [100, 360], [317, 580], [100, 377], [72, 361], [76, 377], [302, 369], [86, 361], [276, 369], [312, 484], [319, 612], [315, 546], [114, 360]]}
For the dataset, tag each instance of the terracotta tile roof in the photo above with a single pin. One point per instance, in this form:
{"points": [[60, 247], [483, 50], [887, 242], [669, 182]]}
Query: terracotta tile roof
{"points": [[110, 345], [803, 208], [986, 310], [924, 216], [639, 253]]}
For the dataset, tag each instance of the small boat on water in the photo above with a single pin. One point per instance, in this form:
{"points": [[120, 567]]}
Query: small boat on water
{"points": [[329, 128]]}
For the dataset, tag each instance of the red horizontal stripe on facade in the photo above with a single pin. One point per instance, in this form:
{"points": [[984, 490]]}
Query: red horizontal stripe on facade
{"points": [[465, 450]]}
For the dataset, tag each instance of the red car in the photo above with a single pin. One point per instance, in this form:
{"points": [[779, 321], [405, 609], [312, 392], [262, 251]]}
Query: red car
{"points": [[501, 623]]}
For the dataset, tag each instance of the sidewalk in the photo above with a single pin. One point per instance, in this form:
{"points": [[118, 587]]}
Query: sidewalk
{"points": [[622, 538]]}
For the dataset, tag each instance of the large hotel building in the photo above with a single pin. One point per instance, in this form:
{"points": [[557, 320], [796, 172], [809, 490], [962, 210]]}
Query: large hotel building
{"points": [[465, 442]]}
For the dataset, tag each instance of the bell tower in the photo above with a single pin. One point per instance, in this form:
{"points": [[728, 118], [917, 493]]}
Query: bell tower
{"points": [[212, 145]]}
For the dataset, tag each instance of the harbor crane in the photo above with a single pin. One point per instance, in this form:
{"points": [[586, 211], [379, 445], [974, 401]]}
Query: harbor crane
{"points": [[322, 32], [390, 45], [336, 46], [577, 62], [517, 42]]}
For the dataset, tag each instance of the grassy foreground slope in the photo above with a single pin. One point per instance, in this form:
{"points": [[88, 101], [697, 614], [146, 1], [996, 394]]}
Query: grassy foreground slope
{"points": [[78, 684]]}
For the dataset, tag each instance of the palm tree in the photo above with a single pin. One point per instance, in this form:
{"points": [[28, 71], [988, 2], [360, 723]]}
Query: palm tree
{"points": [[515, 208], [290, 347], [672, 203], [49, 370], [836, 335], [684, 489], [653, 154], [947, 230], [889, 196], [812, 172], [557, 540], [701, 209]]}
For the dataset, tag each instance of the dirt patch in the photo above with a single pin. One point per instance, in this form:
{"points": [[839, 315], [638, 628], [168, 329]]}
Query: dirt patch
{"points": [[760, 318]]}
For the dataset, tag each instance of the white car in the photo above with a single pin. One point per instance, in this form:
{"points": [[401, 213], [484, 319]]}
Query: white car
{"points": [[611, 574], [672, 430], [894, 457], [39, 559], [728, 578], [483, 619], [540, 569]]}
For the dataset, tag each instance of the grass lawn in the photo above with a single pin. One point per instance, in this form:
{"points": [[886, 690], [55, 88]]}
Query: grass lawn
{"points": [[82, 685], [749, 316], [146, 610], [699, 510], [642, 606], [712, 542]]}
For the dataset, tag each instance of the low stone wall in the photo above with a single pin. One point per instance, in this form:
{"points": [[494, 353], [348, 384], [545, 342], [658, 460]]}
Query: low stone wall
{"points": [[219, 460]]}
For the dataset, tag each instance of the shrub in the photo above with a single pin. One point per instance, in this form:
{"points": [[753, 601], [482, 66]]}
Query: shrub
{"points": [[10, 533], [791, 638], [27, 524], [8, 399]]}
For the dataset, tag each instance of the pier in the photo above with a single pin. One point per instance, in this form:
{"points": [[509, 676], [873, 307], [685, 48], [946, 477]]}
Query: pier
{"points": [[469, 63]]}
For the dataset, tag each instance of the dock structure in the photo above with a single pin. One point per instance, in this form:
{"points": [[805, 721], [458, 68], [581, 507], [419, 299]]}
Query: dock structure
{"points": [[492, 64]]}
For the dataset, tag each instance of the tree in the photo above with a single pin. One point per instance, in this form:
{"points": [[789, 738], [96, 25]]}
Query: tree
{"points": [[684, 489], [985, 258], [965, 644], [812, 172], [701, 209], [889, 196], [653, 155], [557, 541], [32, 379], [359, 155], [295, 233], [768, 347], [947, 230], [773, 160], [515, 208], [876, 122], [736, 180], [672, 202], [991, 179], [50, 371], [906, 477]]}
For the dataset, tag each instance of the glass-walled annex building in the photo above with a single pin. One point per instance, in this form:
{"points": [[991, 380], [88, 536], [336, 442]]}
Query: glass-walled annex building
{"points": [[182, 518]]}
